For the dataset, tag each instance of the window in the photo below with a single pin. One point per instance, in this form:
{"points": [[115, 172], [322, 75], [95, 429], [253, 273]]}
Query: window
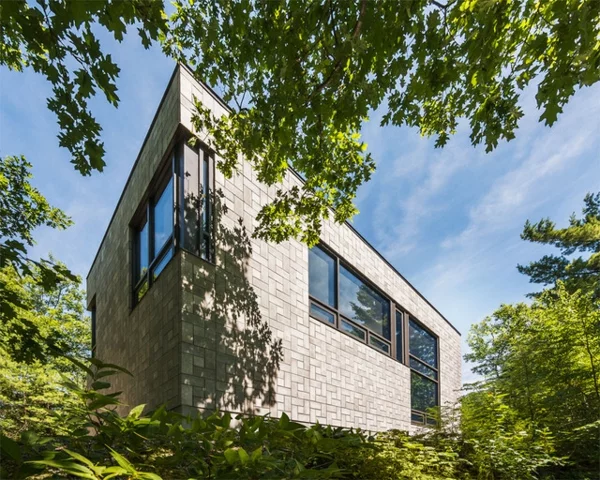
{"points": [[424, 382], [340, 298], [399, 336], [178, 213], [321, 272], [154, 241], [197, 178], [363, 305], [93, 321]]}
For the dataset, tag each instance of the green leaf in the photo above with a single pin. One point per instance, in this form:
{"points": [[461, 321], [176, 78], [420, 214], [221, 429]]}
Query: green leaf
{"points": [[135, 412], [244, 457], [10, 448], [231, 455], [100, 385], [256, 454]]}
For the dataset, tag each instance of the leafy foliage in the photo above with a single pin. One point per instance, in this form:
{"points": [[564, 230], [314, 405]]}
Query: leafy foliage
{"points": [[31, 396], [22, 210], [543, 361], [394, 455], [102, 444], [582, 235], [58, 39], [304, 77]]}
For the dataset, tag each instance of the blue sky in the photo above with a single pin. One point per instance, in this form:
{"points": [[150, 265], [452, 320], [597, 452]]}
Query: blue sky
{"points": [[448, 219]]}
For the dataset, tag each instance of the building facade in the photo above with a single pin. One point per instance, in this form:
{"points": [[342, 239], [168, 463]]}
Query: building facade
{"points": [[207, 317]]}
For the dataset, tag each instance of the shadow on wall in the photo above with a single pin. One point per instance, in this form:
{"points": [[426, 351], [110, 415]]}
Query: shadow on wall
{"points": [[236, 357]]}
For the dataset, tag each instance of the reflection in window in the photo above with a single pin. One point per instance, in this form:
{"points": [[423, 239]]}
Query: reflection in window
{"points": [[321, 276], [422, 368], [141, 252], [197, 187], [364, 305], [423, 345], [163, 218], [154, 241], [399, 328], [423, 393], [352, 329], [423, 361], [380, 344], [321, 314], [160, 266]]}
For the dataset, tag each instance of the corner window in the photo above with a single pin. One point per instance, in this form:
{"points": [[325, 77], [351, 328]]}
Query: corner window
{"points": [[154, 241], [424, 381], [197, 180], [93, 321], [340, 298], [178, 213]]}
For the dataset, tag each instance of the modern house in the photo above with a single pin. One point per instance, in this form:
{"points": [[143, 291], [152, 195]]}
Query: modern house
{"points": [[207, 317]]}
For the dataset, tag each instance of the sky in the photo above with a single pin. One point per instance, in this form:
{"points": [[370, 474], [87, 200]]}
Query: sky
{"points": [[448, 219]]}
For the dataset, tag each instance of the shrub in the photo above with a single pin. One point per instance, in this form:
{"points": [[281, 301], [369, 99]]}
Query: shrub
{"points": [[102, 444]]}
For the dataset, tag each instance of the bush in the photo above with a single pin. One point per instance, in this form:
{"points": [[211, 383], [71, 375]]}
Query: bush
{"points": [[394, 455], [102, 444]]}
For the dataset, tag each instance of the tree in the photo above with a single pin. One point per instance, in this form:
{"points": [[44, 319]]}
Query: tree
{"points": [[544, 359], [57, 39], [22, 209], [304, 76], [582, 235], [31, 391]]}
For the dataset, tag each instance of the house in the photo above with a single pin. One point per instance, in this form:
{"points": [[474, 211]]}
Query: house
{"points": [[207, 317]]}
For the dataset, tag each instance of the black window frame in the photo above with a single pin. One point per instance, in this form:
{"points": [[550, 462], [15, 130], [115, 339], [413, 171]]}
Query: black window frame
{"points": [[170, 171], [204, 243], [426, 418], [340, 317], [400, 319], [142, 284], [93, 325]]}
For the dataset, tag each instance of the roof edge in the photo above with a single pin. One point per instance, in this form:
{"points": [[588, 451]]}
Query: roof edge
{"points": [[160, 104], [294, 172]]}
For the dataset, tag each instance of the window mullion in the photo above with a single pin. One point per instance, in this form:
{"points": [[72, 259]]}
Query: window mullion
{"points": [[177, 153], [150, 217]]}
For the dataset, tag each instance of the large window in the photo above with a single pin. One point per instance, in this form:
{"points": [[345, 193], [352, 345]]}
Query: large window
{"points": [[154, 240], [178, 212], [197, 178], [340, 298], [424, 381]]}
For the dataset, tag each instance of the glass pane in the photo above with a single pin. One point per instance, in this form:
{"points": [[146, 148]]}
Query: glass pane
{"points": [[363, 304], [417, 417], [205, 192], [431, 421], [419, 367], [351, 329], [321, 276], [399, 345], [190, 183], [141, 245], [423, 392], [163, 218], [141, 291], [423, 344], [206, 209], [160, 266], [321, 314], [380, 344]]}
